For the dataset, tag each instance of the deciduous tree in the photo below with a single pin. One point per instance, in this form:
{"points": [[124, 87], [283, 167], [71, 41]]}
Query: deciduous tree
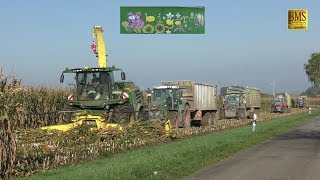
{"points": [[313, 68]]}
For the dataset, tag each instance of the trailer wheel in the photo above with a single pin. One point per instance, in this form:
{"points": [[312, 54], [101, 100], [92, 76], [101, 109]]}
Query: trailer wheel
{"points": [[186, 116], [215, 116], [222, 114], [207, 119]]}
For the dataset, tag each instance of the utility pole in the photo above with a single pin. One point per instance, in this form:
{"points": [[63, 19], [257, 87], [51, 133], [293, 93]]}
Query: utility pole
{"points": [[273, 85]]}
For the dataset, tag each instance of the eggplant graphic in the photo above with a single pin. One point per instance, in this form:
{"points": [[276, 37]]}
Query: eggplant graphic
{"points": [[202, 20], [196, 23]]}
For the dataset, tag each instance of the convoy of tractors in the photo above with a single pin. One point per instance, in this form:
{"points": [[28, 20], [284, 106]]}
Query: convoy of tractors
{"points": [[103, 102]]}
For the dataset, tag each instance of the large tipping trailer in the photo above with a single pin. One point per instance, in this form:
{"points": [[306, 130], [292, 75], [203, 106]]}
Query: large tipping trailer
{"points": [[241, 102], [185, 103]]}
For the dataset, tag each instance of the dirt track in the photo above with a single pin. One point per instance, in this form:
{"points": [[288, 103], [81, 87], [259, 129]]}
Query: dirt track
{"points": [[294, 155]]}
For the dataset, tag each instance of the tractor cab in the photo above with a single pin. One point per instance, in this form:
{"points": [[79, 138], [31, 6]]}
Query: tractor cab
{"points": [[233, 99], [164, 99], [169, 95]]}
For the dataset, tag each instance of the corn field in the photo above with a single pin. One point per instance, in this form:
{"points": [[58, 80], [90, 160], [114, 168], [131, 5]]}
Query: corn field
{"points": [[9, 87], [41, 107], [24, 149]]}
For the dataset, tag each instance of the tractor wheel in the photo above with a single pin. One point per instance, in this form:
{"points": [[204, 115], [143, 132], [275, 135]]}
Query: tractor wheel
{"points": [[241, 114], [250, 115], [123, 114], [256, 111], [284, 110], [173, 117], [186, 116]]}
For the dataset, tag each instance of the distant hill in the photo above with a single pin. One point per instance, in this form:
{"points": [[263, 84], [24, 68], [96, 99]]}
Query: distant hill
{"points": [[312, 91]]}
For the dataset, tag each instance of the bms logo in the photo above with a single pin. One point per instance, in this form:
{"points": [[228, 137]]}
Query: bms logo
{"points": [[298, 19]]}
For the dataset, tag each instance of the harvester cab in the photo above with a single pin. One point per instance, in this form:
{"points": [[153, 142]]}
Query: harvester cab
{"points": [[98, 99], [95, 87]]}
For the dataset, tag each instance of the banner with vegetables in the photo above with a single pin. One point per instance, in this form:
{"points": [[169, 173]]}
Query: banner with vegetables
{"points": [[162, 20]]}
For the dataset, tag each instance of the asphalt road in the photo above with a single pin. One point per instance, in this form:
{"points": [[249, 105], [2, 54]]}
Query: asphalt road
{"points": [[292, 156]]}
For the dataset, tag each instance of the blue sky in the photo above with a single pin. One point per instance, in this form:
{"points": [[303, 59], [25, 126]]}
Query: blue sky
{"points": [[246, 43]]}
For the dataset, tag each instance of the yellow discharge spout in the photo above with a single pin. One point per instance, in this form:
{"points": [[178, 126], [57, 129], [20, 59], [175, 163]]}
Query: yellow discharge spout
{"points": [[101, 47]]}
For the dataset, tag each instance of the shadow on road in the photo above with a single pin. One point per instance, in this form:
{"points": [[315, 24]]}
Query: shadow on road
{"points": [[300, 134]]}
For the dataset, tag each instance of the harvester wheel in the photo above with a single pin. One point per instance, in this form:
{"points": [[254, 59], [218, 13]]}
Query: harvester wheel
{"points": [[142, 115], [122, 114], [186, 116]]}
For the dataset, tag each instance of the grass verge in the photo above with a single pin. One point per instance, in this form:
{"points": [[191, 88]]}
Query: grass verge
{"points": [[179, 158]]}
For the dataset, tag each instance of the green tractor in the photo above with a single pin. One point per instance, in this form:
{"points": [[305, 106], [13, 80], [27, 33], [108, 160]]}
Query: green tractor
{"points": [[241, 102], [184, 103], [166, 104]]}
